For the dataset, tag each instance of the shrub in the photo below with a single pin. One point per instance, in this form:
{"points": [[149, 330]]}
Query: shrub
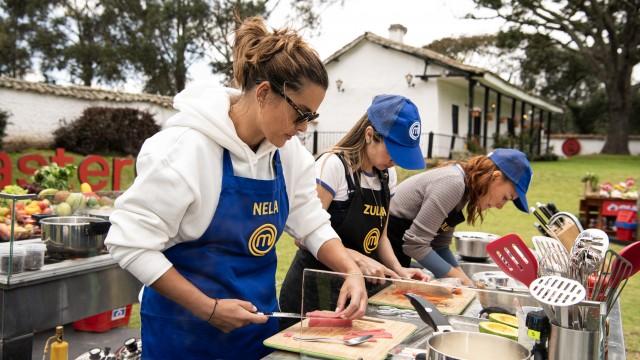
{"points": [[106, 130], [4, 121]]}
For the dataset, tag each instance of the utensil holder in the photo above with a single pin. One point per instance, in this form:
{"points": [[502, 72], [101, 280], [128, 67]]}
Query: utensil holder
{"points": [[569, 344]]}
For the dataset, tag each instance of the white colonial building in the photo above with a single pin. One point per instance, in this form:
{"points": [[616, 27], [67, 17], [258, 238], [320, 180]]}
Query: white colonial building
{"points": [[454, 99]]}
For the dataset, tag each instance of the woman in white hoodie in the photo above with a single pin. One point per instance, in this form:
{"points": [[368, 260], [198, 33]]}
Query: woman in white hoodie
{"points": [[215, 190]]}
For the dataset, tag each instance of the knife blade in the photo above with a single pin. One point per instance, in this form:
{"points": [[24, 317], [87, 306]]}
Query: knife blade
{"points": [[278, 314]]}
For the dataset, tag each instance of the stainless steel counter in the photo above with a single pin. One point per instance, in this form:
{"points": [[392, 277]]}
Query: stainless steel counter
{"points": [[58, 294], [468, 322]]}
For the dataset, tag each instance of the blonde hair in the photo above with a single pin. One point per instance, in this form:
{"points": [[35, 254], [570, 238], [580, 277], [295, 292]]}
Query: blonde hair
{"points": [[353, 145], [280, 57], [478, 174]]}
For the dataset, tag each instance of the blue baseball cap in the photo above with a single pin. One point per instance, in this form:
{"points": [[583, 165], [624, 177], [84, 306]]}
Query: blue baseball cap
{"points": [[396, 118], [515, 166]]}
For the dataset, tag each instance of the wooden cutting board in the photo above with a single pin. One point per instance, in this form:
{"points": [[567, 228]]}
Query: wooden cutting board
{"points": [[393, 296], [367, 351]]}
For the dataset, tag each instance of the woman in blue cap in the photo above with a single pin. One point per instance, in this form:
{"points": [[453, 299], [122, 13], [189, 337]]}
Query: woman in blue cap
{"points": [[356, 180], [426, 207]]}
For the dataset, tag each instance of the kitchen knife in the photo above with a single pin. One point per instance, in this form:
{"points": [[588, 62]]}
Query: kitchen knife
{"points": [[277, 314]]}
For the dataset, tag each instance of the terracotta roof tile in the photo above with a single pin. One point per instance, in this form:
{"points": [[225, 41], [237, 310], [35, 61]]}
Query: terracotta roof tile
{"points": [[84, 92]]}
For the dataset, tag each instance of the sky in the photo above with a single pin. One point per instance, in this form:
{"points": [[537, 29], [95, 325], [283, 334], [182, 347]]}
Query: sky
{"points": [[343, 21], [425, 20]]}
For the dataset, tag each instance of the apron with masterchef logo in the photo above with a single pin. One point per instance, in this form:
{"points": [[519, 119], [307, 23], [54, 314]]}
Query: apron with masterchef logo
{"points": [[235, 258], [359, 221]]}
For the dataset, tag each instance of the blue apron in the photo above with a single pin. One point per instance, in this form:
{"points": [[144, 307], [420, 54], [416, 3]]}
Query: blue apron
{"points": [[235, 259]]}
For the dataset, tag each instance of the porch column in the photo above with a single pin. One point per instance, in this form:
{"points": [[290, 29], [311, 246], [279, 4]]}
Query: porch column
{"points": [[531, 134], [472, 84], [485, 112], [522, 113], [498, 101], [548, 130], [512, 121], [539, 144]]}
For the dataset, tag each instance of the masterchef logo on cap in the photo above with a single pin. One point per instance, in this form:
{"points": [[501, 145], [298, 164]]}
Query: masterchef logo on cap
{"points": [[371, 240], [414, 130], [262, 240]]}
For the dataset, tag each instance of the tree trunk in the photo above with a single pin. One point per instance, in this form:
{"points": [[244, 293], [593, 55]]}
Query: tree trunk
{"points": [[619, 108]]}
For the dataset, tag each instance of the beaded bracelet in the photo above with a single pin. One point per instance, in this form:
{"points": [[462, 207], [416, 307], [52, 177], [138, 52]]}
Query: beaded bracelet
{"points": [[214, 310]]}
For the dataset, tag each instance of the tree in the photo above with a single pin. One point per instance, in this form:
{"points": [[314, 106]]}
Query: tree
{"points": [[18, 26], [604, 33], [78, 40], [160, 39]]}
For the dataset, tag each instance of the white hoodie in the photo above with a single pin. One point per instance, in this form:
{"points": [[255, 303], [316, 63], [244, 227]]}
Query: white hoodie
{"points": [[176, 191]]}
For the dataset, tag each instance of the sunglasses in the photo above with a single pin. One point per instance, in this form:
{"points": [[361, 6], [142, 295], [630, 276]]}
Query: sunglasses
{"points": [[303, 116]]}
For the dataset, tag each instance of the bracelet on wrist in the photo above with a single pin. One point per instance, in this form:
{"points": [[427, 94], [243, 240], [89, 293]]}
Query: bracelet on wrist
{"points": [[214, 310]]}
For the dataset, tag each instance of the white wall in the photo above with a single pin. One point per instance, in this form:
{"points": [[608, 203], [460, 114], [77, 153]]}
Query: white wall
{"points": [[368, 70], [589, 144], [35, 116]]}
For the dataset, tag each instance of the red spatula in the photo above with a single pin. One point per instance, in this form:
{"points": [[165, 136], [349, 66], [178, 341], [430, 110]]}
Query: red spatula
{"points": [[513, 256], [632, 254]]}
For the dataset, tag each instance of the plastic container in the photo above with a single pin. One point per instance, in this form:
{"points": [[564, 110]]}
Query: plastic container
{"points": [[626, 225], [34, 258], [105, 321], [17, 262]]}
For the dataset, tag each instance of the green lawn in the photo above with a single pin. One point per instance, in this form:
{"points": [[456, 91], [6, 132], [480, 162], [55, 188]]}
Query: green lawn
{"points": [[557, 182]]}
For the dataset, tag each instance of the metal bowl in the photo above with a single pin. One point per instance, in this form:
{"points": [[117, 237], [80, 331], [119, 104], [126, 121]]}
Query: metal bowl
{"points": [[472, 245], [500, 291]]}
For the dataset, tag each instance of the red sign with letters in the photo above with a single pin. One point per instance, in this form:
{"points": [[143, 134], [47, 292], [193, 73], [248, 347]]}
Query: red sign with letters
{"points": [[92, 165], [611, 207]]}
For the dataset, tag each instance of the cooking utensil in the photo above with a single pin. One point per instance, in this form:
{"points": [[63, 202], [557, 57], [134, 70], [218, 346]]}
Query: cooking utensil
{"points": [[539, 215], [553, 252], [556, 294], [632, 254], [472, 245], [611, 279], [513, 256], [351, 342], [447, 344], [541, 229], [278, 314], [595, 239], [545, 210], [552, 208], [78, 236], [562, 218], [557, 291]]}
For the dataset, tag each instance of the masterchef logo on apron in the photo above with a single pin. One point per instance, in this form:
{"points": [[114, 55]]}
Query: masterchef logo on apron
{"points": [[371, 240], [262, 240]]}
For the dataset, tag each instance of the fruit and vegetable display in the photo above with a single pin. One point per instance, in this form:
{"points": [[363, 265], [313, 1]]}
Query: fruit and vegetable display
{"points": [[49, 201], [51, 177]]}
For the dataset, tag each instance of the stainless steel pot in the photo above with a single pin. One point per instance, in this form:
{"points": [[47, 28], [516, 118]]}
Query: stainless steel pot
{"points": [[447, 344], [472, 245], [78, 236]]}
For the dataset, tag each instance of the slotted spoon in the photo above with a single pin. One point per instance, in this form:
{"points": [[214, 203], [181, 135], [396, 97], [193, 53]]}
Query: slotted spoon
{"points": [[557, 291]]}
